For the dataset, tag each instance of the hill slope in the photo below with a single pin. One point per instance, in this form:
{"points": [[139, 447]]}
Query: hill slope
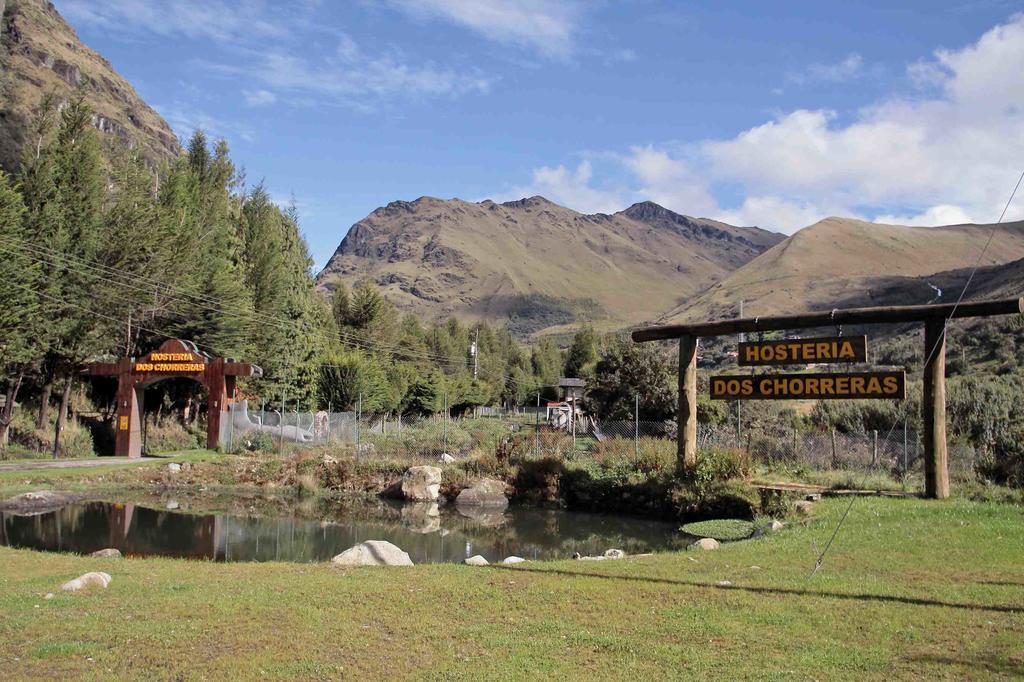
{"points": [[536, 263], [841, 263], [39, 54]]}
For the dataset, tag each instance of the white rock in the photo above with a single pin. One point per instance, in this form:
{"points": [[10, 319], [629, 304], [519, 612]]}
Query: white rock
{"points": [[614, 554], [776, 525], [477, 561], [86, 580], [108, 553], [421, 484], [593, 558], [373, 553], [172, 505], [706, 544], [49, 595], [174, 467], [487, 492], [513, 560], [446, 458], [724, 583]]}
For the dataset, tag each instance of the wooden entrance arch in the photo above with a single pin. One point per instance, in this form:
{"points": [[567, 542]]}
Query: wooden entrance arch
{"points": [[174, 358]]}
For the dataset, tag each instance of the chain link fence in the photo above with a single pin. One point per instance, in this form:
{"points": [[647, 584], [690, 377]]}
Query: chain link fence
{"points": [[530, 434]]}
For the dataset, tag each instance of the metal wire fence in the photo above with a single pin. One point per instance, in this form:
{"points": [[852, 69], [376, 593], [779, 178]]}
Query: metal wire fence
{"points": [[529, 434]]}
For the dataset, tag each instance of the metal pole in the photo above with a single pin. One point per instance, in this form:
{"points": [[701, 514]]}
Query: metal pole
{"points": [[636, 427], [536, 430], [359, 416], [280, 442], [445, 422], [905, 463]]}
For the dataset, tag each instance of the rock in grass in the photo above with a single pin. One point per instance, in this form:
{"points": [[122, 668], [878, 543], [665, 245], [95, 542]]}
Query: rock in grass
{"points": [[446, 458], [487, 492], [421, 484], [513, 560], [705, 544], [477, 561], [174, 467], [775, 525], [85, 581], [804, 508], [373, 553], [614, 554], [108, 553]]}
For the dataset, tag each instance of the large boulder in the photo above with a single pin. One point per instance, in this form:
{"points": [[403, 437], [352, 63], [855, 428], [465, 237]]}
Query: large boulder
{"points": [[705, 544], [373, 553], [486, 492], [85, 581], [476, 560], [421, 484]]}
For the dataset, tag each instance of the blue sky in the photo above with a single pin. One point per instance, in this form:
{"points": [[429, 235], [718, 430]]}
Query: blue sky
{"points": [[774, 114]]}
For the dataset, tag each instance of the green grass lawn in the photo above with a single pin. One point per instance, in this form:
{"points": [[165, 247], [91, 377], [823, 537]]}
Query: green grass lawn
{"points": [[911, 588]]}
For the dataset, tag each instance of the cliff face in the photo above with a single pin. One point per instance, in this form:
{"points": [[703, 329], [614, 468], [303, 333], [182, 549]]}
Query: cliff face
{"points": [[538, 265], [41, 54]]}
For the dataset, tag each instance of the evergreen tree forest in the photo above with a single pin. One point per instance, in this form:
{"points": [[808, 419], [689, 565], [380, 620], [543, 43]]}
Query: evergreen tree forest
{"points": [[103, 256]]}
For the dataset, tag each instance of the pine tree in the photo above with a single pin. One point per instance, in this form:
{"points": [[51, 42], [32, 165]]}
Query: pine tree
{"points": [[18, 272]]}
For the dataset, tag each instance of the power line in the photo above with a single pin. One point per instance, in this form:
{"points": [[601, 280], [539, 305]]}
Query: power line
{"points": [[182, 296]]}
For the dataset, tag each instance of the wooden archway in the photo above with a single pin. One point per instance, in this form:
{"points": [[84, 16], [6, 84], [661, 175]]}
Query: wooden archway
{"points": [[174, 358]]}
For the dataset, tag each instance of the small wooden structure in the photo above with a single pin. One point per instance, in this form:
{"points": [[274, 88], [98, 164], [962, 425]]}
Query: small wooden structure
{"points": [[933, 404], [174, 358]]}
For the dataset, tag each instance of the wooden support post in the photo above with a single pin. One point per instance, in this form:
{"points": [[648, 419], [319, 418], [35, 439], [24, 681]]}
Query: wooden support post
{"points": [[933, 408], [687, 419]]}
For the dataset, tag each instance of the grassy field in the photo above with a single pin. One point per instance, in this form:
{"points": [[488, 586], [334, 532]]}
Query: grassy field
{"points": [[911, 588]]}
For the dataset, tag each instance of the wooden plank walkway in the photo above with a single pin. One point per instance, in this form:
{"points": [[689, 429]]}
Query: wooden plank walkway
{"points": [[812, 489]]}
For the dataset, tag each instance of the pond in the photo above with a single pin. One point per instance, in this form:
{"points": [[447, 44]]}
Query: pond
{"points": [[428, 533]]}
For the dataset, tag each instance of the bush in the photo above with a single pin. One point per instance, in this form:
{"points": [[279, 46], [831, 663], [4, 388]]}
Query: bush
{"points": [[714, 500]]}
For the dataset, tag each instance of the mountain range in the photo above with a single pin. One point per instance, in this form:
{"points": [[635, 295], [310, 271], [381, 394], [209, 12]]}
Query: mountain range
{"points": [[537, 266]]}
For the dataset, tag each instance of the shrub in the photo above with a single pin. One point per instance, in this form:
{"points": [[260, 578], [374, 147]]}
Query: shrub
{"points": [[714, 500]]}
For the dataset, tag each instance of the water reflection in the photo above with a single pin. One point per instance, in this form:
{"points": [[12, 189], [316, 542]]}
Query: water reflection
{"points": [[428, 533]]}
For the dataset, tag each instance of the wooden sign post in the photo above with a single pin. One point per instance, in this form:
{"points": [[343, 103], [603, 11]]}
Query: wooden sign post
{"points": [[933, 406]]}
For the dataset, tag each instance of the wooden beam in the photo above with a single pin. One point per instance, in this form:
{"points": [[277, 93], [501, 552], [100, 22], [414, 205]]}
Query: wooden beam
{"points": [[878, 315], [687, 419], [933, 411]]}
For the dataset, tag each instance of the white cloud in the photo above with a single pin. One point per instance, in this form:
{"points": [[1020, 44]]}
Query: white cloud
{"points": [[544, 26], [259, 98], [268, 34], [185, 120], [207, 19], [847, 69], [947, 154], [569, 188]]}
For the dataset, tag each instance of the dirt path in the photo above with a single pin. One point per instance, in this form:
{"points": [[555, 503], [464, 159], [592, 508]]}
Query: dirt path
{"points": [[33, 464]]}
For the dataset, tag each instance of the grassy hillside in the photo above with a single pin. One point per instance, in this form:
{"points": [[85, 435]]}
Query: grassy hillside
{"points": [[841, 263], [537, 264]]}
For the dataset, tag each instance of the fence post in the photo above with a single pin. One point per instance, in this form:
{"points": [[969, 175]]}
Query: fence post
{"points": [[444, 427], [536, 429], [359, 416], [794, 441], [874, 449], [906, 464], [835, 460], [636, 427], [280, 425]]}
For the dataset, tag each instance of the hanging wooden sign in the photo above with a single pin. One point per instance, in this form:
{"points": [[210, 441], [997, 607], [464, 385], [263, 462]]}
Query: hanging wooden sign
{"points": [[829, 349], [849, 386]]}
